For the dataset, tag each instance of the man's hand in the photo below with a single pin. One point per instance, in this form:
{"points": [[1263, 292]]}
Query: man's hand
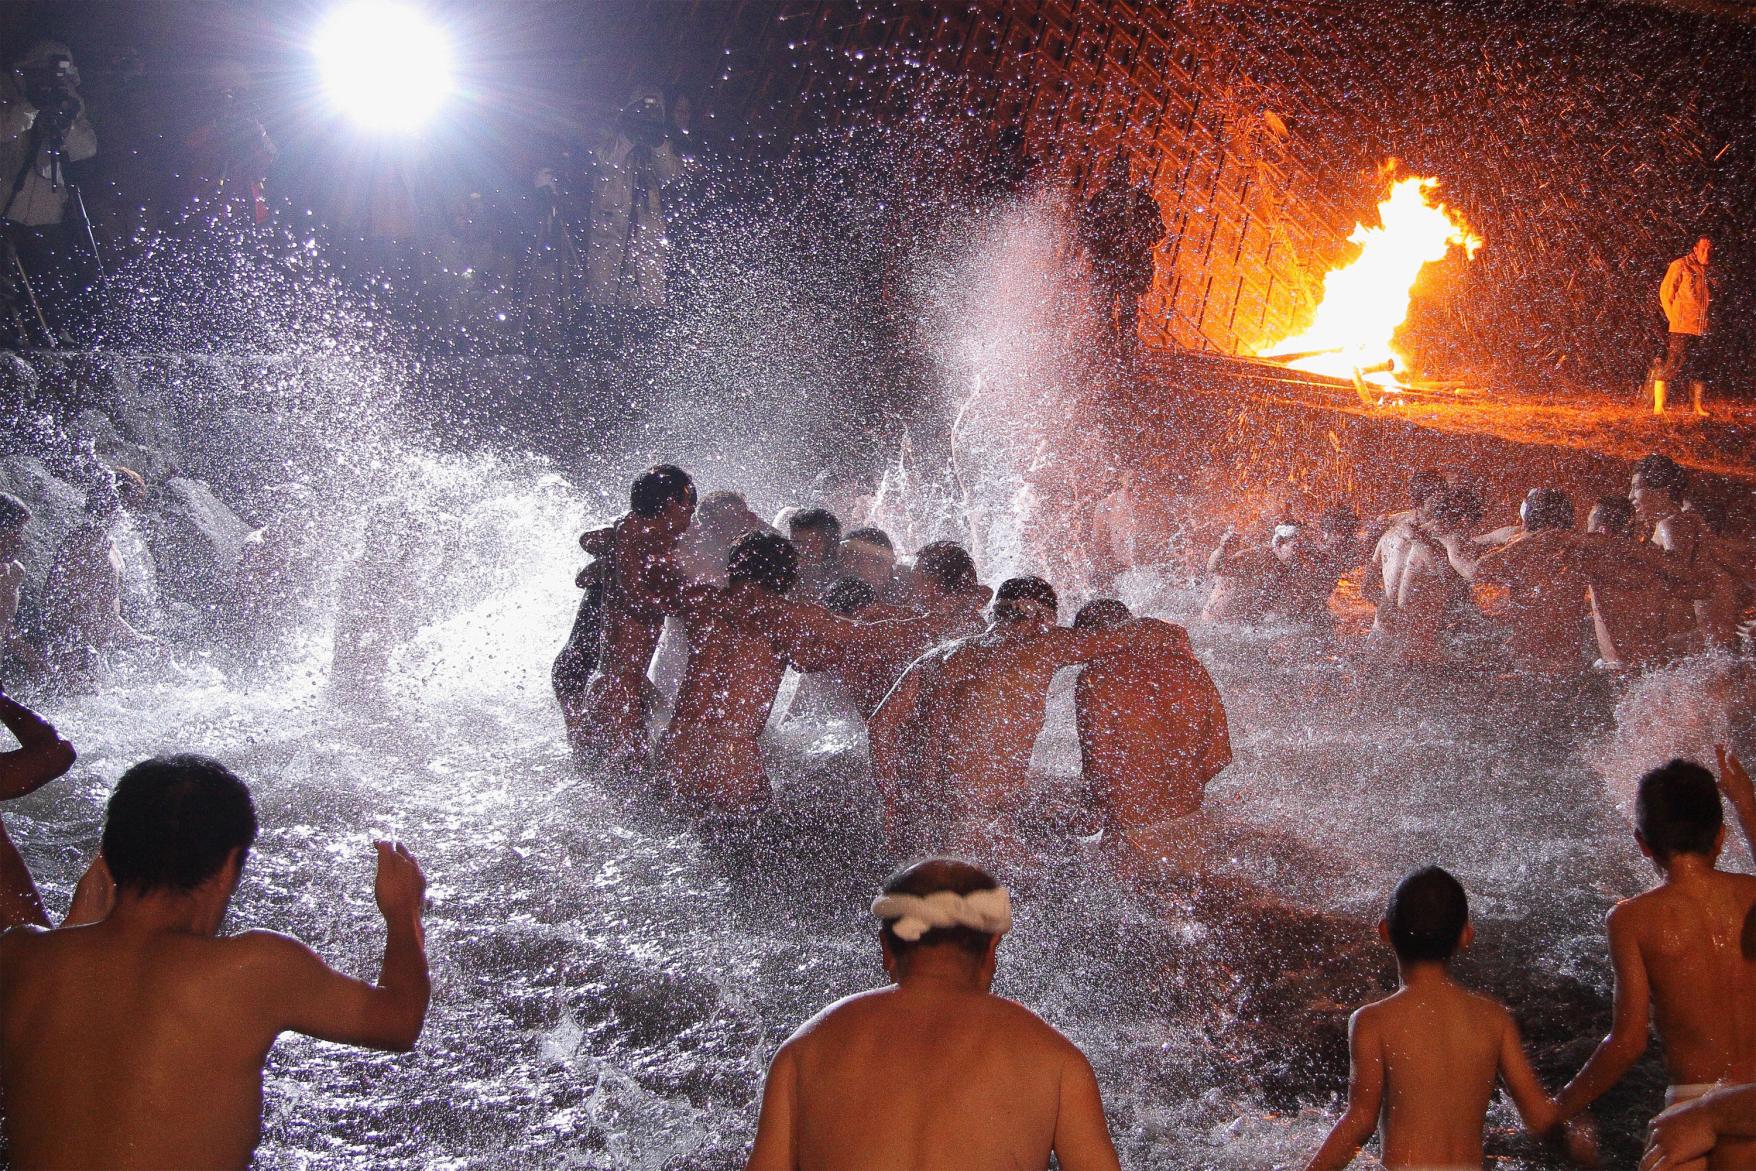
{"points": [[1578, 1138], [1680, 1140], [1734, 781], [401, 888]]}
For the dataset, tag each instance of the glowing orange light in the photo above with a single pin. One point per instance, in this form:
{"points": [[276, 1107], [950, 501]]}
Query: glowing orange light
{"points": [[1366, 300]]}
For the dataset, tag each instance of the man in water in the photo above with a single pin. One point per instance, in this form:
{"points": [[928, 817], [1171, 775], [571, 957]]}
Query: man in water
{"points": [[139, 1041], [1541, 575], [41, 756], [1641, 611], [1152, 731], [1312, 564], [934, 1070], [82, 595], [1419, 592], [816, 534], [610, 721], [1245, 578], [1424, 1061], [1683, 954], [868, 555], [1659, 490], [952, 741], [741, 640]]}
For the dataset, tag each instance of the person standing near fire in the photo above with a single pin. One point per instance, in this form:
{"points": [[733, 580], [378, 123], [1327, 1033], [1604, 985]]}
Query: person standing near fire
{"points": [[1119, 228], [1685, 295]]}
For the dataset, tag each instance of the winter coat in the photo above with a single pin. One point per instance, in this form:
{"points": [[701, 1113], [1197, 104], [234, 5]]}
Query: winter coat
{"points": [[38, 203], [1684, 295], [626, 245]]}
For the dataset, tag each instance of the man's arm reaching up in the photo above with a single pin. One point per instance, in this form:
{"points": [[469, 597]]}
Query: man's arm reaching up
{"points": [[1734, 782], [304, 994], [40, 757]]}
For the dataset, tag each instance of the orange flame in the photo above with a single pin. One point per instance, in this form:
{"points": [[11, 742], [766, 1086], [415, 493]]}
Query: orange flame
{"points": [[1366, 300]]}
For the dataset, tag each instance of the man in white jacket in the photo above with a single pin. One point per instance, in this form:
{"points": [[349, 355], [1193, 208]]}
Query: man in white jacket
{"points": [[1685, 295]]}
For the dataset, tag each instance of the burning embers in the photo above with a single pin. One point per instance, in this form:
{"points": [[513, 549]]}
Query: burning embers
{"points": [[1366, 300]]}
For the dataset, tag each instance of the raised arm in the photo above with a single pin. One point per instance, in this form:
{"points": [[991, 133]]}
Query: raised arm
{"points": [[1365, 1096], [777, 1145], [1734, 782], [41, 755], [1627, 1039], [888, 737], [310, 997], [1082, 1136]]}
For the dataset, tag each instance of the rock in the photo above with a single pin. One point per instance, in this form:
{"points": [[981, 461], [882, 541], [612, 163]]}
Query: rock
{"points": [[197, 541], [57, 508], [95, 427]]}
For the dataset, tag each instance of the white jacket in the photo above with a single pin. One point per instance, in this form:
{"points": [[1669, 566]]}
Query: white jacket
{"points": [[38, 203], [1685, 294]]}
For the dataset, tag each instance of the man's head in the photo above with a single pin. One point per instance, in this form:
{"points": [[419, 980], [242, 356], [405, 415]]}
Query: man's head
{"points": [[725, 514], [946, 908], [1026, 601], [175, 824], [1428, 917], [1657, 487], [15, 514], [1423, 485], [1546, 508], [1102, 614], [1703, 249], [816, 533], [867, 553], [946, 570], [1677, 811], [1453, 510], [1337, 524], [848, 597], [1611, 515], [765, 559], [664, 493]]}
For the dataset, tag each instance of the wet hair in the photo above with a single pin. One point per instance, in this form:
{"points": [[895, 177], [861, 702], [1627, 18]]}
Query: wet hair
{"points": [[1339, 519], [1101, 615], [764, 558], [14, 513], [930, 876], [1427, 914], [1023, 589], [719, 503], [871, 536], [1424, 483], [1546, 508], [658, 486], [1461, 506], [173, 820], [1677, 810], [947, 565], [815, 520], [1661, 472], [1615, 513], [849, 596]]}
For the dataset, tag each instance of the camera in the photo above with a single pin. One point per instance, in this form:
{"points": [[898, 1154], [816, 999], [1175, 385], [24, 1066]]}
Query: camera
{"points": [[49, 87]]}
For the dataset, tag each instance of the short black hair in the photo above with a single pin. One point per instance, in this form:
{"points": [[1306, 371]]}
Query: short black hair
{"points": [[1101, 615], [1339, 518], [930, 876], [1423, 484], [1023, 589], [1427, 914], [14, 513], [1677, 810], [1661, 472], [764, 558], [947, 565], [173, 820], [1462, 506], [849, 596], [1547, 508], [658, 486], [871, 536], [815, 520], [1616, 513]]}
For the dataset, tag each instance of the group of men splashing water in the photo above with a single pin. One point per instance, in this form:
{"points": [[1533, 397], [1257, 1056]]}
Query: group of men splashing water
{"points": [[134, 1034]]}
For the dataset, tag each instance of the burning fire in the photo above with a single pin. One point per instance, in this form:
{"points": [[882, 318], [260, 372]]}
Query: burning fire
{"points": [[1366, 300]]}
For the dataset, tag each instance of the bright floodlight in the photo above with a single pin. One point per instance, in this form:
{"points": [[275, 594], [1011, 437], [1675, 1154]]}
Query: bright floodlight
{"points": [[385, 65]]}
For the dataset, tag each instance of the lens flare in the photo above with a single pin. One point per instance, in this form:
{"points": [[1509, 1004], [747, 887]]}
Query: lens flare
{"points": [[386, 66]]}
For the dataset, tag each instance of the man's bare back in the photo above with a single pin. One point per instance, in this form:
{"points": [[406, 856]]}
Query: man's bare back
{"points": [[1544, 583]]}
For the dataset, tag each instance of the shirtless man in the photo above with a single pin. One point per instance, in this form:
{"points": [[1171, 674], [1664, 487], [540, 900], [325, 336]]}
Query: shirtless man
{"points": [[1152, 731], [1413, 582], [139, 1041], [41, 756], [1424, 1061], [952, 741], [82, 596], [1245, 578], [610, 722], [868, 554], [741, 641], [1659, 491], [1682, 954], [816, 534], [1641, 610], [934, 1071], [1539, 578], [1313, 564]]}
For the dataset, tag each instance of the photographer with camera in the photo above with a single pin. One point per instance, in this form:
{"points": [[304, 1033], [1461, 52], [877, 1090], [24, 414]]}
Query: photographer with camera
{"points": [[42, 126], [626, 246], [229, 153]]}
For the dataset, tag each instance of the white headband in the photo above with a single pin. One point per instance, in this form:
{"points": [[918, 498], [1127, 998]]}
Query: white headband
{"points": [[912, 916]]}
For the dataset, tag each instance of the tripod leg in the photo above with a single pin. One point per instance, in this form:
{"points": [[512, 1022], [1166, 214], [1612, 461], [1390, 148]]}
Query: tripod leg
{"points": [[30, 295]]}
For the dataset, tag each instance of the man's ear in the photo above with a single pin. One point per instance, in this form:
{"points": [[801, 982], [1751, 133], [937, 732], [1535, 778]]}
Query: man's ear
{"points": [[1384, 930], [1646, 849], [1719, 843], [889, 956], [1468, 937]]}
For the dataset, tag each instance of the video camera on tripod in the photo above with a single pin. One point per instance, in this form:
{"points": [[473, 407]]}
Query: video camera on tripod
{"points": [[48, 85]]}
